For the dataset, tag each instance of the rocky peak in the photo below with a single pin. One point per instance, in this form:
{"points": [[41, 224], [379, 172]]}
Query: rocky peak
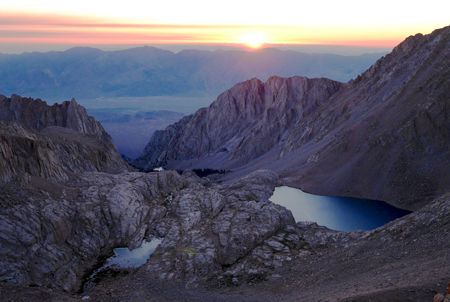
{"points": [[249, 109], [51, 142], [36, 114]]}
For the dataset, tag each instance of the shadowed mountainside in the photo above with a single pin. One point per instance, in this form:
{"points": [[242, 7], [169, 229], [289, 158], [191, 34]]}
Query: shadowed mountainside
{"points": [[383, 136]]}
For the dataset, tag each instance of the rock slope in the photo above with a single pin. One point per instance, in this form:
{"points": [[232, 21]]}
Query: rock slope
{"points": [[159, 143], [383, 136]]}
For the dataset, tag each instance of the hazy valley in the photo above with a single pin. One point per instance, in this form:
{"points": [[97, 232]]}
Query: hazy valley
{"points": [[89, 73], [68, 198], [132, 130]]}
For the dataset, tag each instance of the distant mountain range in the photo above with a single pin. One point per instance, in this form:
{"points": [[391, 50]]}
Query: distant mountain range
{"points": [[383, 136], [89, 73]]}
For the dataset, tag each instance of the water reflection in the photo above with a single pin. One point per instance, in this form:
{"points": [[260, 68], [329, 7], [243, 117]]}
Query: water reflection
{"points": [[337, 213]]}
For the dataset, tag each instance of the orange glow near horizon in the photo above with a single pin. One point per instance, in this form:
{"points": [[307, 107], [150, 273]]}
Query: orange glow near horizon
{"points": [[53, 29]]}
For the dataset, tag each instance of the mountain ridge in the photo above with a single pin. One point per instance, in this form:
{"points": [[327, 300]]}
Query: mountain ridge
{"points": [[36, 114], [244, 104]]}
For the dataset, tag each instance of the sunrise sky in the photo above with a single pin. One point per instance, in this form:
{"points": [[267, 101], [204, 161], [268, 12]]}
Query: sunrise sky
{"points": [[27, 25]]}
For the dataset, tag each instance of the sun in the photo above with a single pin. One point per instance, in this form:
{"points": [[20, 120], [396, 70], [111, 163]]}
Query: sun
{"points": [[253, 40]]}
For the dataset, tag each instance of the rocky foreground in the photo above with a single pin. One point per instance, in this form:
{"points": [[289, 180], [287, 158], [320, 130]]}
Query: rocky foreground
{"points": [[219, 242]]}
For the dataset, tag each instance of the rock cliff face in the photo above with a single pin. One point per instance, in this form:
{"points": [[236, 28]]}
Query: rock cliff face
{"points": [[36, 115], [383, 136], [37, 140], [249, 112]]}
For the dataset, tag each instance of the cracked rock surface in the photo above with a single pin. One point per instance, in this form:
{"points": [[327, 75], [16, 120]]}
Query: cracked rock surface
{"points": [[49, 237], [217, 238]]}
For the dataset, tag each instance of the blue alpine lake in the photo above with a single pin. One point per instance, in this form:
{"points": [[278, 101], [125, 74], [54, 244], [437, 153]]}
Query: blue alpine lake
{"points": [[336, 213]]}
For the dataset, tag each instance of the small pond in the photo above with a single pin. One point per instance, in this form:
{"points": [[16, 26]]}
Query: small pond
{"points": [[123, 258], [336, 213]]}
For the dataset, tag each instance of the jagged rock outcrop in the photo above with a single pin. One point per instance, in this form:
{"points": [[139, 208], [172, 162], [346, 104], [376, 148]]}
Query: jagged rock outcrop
{"points": [[36, 114], [24, 153], [249, 112], [52, 142], [382, 136]]}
